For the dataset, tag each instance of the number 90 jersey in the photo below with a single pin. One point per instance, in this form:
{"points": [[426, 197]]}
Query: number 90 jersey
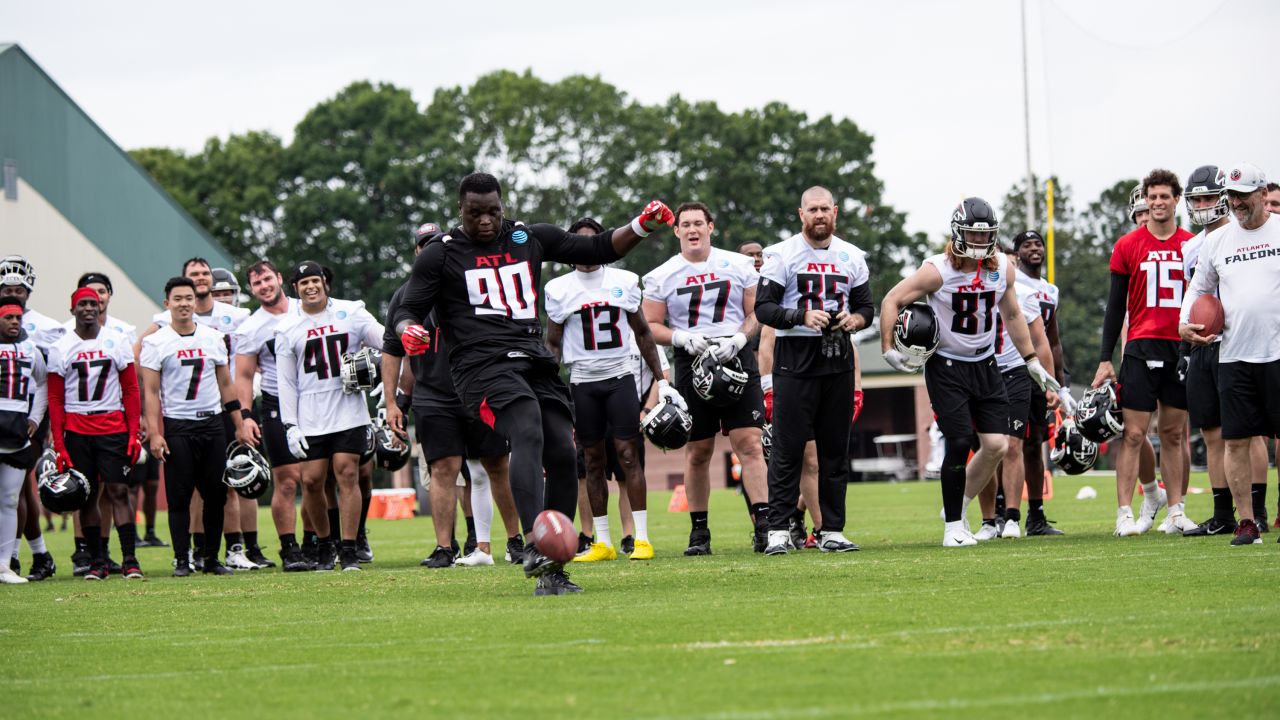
{"points": [[814, 278], [187, 366], [309, 350], [703, 297], [91, 369], [967, 308], [601, 301]]}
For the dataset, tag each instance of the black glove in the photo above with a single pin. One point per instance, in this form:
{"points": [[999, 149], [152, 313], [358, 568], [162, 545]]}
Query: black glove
{"points": [[1183, 363]]}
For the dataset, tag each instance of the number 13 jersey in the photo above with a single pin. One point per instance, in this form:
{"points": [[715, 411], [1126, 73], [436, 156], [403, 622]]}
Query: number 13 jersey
{"points": [[703, 297], [187, 366], [967, 308], [593, 309], [309, 350]]}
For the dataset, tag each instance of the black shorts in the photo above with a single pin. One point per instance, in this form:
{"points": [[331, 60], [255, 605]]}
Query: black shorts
{"points": [[1019, 388], [23, 459], [101, 458], [967, 396], [501, 383], [606, 408], [446, 433], [1250, 398], [1203, 404], [1143, 383], [1038, 418], [151, 471], [273, 435], [710, 419], [353, 441]]}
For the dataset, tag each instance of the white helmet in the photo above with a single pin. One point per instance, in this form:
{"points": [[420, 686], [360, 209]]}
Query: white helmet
{"points": [[1137, 203], [17, 270]]}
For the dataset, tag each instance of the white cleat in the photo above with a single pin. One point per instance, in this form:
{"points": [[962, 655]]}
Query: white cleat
{"points": [[957, 535], [237, 560], [1150, 508], [986, 532], [779, 542], [477, 558], [1011, 530], [1125, 525], [1179, 523], [9, 577]]}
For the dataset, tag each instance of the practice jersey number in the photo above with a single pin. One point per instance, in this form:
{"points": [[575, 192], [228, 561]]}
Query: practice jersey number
{"points": [[506, 290], [600, 329], [323, 355], [1160, 276], [697, 293], [84, 369], [816, 289], [13, 382], [966, 308]]}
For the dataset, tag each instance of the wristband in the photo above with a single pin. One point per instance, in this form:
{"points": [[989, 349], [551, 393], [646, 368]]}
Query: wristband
{"points": [[232, 406], [246, 414], [638, 229], [1029, 357], [766, 382]]}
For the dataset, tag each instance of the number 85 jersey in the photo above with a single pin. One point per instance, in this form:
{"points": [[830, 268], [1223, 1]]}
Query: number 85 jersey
{"points": [[600, 300], [309, 350]]}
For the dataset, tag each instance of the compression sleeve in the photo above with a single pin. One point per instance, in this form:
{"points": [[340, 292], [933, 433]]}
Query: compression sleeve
{"points": [[131, 397], [770, 312], [57, 411], [1117, 304], [559, 245], [860, 303]]}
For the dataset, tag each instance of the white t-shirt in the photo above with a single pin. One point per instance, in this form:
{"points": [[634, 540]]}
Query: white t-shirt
{"points": [[309, 351], [967, 306], [1244, 266], [187, 366], [91, 369], [814, 278], [257, 336], [593, 309], [703, 297]]}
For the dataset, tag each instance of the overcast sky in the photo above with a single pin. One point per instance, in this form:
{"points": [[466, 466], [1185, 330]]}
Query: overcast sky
{"points": [[1116, 87]]}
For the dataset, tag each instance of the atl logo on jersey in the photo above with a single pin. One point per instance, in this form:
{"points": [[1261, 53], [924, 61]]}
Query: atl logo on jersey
{"points": [[321, 331], [700, 279], [91, 355]]}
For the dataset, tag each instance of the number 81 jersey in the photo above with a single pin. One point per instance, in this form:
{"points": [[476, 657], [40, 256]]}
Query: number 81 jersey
{"points": [[600, 300], [703, 297], [188, 370], [967, 308]]}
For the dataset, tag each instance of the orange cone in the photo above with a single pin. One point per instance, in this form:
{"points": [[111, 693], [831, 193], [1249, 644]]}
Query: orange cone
{"points": [[679, 502]]}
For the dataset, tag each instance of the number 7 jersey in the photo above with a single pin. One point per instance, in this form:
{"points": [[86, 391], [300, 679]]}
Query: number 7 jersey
{"points": [[188, 370], [309, 350]]}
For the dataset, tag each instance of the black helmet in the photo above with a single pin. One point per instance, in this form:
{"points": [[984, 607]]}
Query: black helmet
{"points": [[1098, 417], [976, 215], [370, 444], [915, 333], [388, 455], [766, 440], [667, 426], [1206, 181], [718, 383], [60, 492], [1073, 452], [247, 472], [361, 370]]}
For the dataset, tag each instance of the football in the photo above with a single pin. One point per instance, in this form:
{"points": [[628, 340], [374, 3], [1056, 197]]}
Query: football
{"points": [[1207, 311], [555, 536]]}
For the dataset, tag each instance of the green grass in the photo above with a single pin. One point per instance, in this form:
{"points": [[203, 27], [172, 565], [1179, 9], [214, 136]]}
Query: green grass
{"points": [[1082, 625]]}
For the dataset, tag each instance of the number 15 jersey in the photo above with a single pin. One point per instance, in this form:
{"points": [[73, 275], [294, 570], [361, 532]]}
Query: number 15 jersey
{"points": [[703, 297], [309, 350], [1156, 282], [188, 370]]}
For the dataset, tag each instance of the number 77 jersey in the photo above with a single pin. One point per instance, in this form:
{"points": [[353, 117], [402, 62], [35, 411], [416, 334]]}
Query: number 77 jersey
{"points": [[593, 308], [703, 297], [1156, 281]]}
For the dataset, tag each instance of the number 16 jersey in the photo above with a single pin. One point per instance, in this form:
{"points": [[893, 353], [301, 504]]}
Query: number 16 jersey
{"points": [[309, 350]]}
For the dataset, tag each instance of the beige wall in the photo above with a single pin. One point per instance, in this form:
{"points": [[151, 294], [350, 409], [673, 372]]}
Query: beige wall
{"points": [[30, 226]]}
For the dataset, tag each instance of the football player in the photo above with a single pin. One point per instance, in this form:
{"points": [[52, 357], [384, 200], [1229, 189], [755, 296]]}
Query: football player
{"points": [[23, 402], [188, 387], [969, 288], [484, 277], [593, 315], [94, 418], [704, 299], [1147, 280], [18, 281], [815, 291], [325, 425]]}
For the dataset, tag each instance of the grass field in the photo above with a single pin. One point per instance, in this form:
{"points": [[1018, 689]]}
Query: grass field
{"points": [[1081, 625]]}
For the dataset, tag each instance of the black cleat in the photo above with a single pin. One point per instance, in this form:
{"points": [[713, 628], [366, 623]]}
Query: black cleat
{"points": [[198, 563], [798, 533], [182, 569], [469, 545], [349, 561], [515, 549], [699, 543], [627, 545], [114, 567], [294, 560], [441, 557], [15, 566], [97, 571], [555, 582], [1039, 525], [584, 543], [760, 539], [311, 553], [1260, 518], [1212, 526], [1247, 534], [42, 567], [536, 564], [131, 569], [364, 553], [213, 567], [254, 553], [80, 563], [328, 556], [152, 540]]}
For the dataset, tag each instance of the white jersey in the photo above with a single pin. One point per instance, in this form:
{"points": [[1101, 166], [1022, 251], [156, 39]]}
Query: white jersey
{"points": [[23, 392], [187, 366], [1007, 355], [1045, 293], [1244, 266], [91, 369], [593, 309], [814, 278], [967, 306], [41, 329], [257, 336], [309, 350], [1191, 259], [116, 324], [703, 297]]}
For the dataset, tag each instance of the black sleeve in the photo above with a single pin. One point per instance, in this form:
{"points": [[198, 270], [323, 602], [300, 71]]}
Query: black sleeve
{"points": [[391, 344], [769, 312], [420, 292], [1117, 304], [860, 303], [561, 246]]}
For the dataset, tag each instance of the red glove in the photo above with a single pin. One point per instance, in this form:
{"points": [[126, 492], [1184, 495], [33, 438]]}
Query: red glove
{"points": [[415, 339], [134, 451], [768, 406], [857, 404], [63, 460], [654, 216]]}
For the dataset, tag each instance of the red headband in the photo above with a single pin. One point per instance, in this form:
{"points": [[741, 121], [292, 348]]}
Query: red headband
{"points": [[8, 307], [83, 293]]}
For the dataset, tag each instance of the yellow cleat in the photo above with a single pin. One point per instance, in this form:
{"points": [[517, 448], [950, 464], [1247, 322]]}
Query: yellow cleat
{"points": [[599, 551], [643, 551]]}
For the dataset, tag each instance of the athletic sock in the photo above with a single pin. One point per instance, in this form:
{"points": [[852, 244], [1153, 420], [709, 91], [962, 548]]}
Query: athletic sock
{"points": [[197, 544], [1223, 507], [151, 530], [1259, 495], [698, 518], [288, 540], [641, 518], [348, 545], [234, 539], [335, 522], [81, 545], [251, 539], [1012, 515], [761, 513], [37, 546], [128, 539], [1035, 506], [93, 542], [601, 524], [364, 511], [1151, 489], [471, 526], [104, 546]]}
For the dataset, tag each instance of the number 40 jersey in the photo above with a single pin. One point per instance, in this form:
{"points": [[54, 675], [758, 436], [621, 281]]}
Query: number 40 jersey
{"points": [[309, 350]]}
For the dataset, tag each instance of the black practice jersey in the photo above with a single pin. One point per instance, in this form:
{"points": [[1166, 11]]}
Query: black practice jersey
{"points": [[486, 295], [432, 383]]}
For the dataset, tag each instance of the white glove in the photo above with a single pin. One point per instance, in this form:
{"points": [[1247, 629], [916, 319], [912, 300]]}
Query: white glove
{"points": [[1068, 402], [297, 441], [727, 348], [899, 361], [693, 343], [1041, 376], [669, 394]]}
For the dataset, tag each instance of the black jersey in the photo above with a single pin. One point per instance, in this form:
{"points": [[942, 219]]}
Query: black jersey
{"points": [[432, 383], [486, 296]]}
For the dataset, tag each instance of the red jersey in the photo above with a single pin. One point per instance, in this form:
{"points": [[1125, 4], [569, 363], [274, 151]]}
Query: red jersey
{"points": [[1156, 281]]}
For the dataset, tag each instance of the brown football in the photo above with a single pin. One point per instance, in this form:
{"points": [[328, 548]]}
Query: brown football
{"points": [[555, 536], [1207, 311]]}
